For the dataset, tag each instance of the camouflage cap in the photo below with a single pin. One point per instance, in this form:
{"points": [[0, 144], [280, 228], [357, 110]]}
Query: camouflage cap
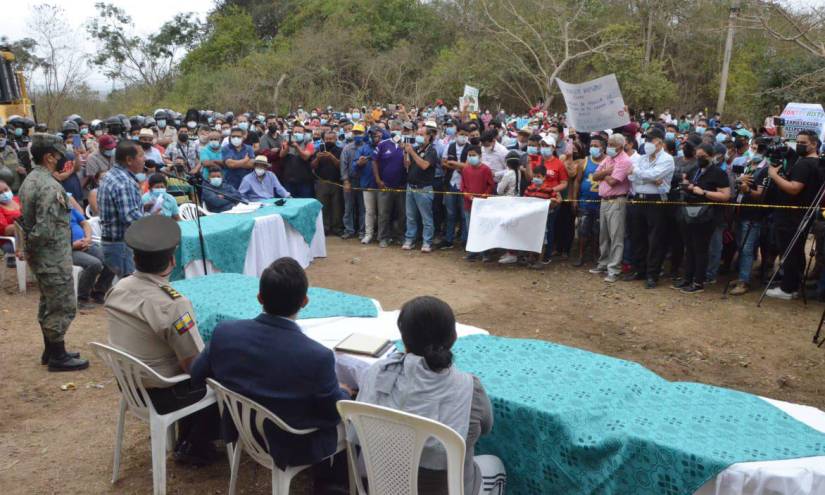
{"points": [[46, 142]]}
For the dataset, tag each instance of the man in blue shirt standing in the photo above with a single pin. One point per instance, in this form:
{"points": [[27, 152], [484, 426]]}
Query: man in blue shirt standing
{"points": [[363, 165], [96, 278], [388, 169], [262, 184], [237, 158]]}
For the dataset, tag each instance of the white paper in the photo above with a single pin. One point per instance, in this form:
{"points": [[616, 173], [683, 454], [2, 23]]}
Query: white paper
{"points": [[800, 116], [241, 208], [594, 105], [508, 223], [469, 102]]}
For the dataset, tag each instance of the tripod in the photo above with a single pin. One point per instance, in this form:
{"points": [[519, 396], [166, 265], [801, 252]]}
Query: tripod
{"points": [[801, 232]]}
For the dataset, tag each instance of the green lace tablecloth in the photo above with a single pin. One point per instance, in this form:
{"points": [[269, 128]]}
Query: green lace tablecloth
{"points": [[226, 236], [231, 296], [570, 422]]}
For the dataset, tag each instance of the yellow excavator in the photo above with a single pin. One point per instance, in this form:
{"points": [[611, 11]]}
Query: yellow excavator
{"points": [[14, 98]]}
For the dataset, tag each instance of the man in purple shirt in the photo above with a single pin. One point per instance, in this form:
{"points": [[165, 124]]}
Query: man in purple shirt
{"points": [[388, 169], [262, 184]]}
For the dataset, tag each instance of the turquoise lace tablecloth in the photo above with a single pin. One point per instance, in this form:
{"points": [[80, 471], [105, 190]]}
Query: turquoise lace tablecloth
{"points": [[231, 296], [570, 422], [226, 236]]}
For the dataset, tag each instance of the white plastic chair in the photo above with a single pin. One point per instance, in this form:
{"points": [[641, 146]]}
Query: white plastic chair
{"points": [[241, 410], [89, 213], [76, 271], [129, 373], [97, 230], [391, 443], [188, 211], [21, 265]]}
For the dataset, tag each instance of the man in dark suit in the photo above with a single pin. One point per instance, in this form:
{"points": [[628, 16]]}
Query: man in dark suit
{"points": [[269, 360]]}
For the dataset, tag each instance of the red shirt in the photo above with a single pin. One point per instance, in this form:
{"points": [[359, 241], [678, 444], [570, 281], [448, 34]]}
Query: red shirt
{"points": [[476, 180], [7, 217]]}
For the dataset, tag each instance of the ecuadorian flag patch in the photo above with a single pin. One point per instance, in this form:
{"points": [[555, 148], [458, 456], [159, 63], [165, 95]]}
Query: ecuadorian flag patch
{"points": [[184, 323]]}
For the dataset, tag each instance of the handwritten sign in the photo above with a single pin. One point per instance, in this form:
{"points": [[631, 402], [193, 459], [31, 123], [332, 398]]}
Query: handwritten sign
{"points": [[507, 222], [801, 116], [594, 105]]}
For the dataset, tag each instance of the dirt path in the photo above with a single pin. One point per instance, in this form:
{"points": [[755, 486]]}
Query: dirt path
{"points": [[53, 441]]}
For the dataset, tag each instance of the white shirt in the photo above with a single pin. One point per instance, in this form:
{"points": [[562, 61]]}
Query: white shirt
{"points": [[647, 172], [495, 159]]}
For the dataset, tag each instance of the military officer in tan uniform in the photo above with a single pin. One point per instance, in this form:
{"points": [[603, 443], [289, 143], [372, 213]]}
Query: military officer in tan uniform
{"points": [[150, 320]]}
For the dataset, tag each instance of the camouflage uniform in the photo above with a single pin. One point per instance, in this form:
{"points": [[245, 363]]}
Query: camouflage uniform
{"points": [[9, 162], [48, 248]]}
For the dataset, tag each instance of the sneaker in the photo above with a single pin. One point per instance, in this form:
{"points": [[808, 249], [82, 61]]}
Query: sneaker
{"points": [[85, 304], [633, 276], [710, 281], [426, 248], [579, 262], [407, 246], [366, 239], [693, 289], [739, 289], [598, 270], [651, 283], [778, 293], [611, 278], [537, 265], [546, 259], [347, 235], [486, 258], [444, 245], [384, 243], [471, 257], [680, 284], [508, 259]]}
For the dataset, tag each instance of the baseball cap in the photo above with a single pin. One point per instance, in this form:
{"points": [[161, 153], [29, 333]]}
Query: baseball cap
{"points": [[358, 128], [107, 142]]}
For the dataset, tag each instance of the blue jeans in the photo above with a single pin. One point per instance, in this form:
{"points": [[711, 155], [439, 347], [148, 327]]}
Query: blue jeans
{"points": [[353, 205], [119, 258], [465, 230], [300, 189], [746, 255], [551, 228], [453, 204], [714, 254], [420, 202]]}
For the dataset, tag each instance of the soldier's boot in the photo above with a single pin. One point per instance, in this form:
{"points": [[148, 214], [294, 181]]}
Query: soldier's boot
{"points": [[44, 358], [60, 360]]}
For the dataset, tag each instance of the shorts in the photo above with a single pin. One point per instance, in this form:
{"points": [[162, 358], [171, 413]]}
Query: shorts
{"points": [[588, 223]]}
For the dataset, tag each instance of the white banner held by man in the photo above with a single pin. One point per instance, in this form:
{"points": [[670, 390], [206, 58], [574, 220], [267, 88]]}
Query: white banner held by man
{"points": [[801, 116], [594, 105], [507, 223], [469, 102]]}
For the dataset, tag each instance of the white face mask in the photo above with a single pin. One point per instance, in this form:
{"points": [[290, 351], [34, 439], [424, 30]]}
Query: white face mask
{"points": [[650, 148], [216, 181], [236, 141], [260, 171]]}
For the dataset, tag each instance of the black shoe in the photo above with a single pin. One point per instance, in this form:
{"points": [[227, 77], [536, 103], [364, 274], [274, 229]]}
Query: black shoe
{"points": [[347, 235], [99, 298], [547, 258], [651, 283], [680, 284], [85, 303], [579, 262], [60, 360], [632, 277], [471, 257], [693, 289], [11, 262], [44, 358], [191, 455], [444, 245]]}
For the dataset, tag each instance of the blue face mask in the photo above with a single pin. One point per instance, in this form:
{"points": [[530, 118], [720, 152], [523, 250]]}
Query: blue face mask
{"points": [[161, 123], [3, 143], [756, 157], [595, 152], [532, 150], [323, 121], [108, 153], [419, 140], [700, 130], [18, 131], [547, 152], [473, 160], [680, 153], [358, 139], [670, 136], [216, 181], [298, 137], [720, 138], [450, 131], [6, 197], [159, 191], [140, 176], [340, 143], [538, 181], [243, 125], [611, 152], [356, 115]]}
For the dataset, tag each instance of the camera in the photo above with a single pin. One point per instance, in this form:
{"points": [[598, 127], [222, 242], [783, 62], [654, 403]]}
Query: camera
{"points": [[738, 169], [776, 150], [778, 122], [408, 139]]}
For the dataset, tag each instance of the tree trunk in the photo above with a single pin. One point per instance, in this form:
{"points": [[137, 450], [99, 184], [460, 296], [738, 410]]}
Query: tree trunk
{"points": [[648, 40], [277, 90]]}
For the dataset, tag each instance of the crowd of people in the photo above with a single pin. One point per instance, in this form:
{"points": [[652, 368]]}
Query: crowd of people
{"points": [[396, 176]]}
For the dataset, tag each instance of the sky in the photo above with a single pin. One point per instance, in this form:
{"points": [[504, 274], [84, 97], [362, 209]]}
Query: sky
{"points": [[147, 15]]}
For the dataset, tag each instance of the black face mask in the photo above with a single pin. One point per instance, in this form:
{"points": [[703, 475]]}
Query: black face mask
{"points": [[146, 146], [329, 145], [802, 150], [474, 141], [183, 137], [702, 162], [272, 128]]}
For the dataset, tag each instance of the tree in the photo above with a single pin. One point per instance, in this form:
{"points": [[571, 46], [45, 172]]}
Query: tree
{"points": [[25, 55], [544, 37], [57, 60], [231, 36], [149, 61]]}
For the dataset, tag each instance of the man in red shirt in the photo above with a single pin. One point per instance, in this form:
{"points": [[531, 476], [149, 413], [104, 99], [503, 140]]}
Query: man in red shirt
{"points": [[476, 180]]}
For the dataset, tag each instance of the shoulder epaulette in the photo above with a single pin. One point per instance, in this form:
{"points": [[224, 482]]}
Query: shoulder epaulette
{"points": [[170, 291]]}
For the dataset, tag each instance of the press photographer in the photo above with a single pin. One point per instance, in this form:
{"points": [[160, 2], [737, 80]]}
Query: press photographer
{"points": [[796, 185]]}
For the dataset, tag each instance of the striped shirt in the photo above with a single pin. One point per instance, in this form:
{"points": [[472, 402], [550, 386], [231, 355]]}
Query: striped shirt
{"points": [[119, 201]]}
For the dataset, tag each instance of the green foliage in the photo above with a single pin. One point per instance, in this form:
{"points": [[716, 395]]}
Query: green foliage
{"points": [[231, 36]]}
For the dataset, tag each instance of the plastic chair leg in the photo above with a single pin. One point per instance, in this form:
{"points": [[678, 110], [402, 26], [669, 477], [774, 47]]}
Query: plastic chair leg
{"points": [[158, 433], [119, 440], [21, 276], [234, 467], [281, 481]]}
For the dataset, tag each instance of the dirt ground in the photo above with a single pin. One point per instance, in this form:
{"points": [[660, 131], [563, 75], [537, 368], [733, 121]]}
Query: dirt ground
{"points": [[54, 441]]}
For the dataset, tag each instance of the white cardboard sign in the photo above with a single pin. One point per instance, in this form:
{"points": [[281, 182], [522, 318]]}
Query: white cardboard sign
{"points": [[507, 222], [594, 105]]}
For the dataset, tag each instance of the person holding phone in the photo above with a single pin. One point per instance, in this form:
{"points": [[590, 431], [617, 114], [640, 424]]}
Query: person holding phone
{"points": [[295, 155]]}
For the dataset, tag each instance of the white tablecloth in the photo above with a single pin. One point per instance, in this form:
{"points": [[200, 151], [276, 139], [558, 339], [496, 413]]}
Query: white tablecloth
{"points": [[272, 238], [805, 476]]}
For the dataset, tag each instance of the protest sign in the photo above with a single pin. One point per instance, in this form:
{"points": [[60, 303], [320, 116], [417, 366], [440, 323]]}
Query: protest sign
{"points": [[594, 105], [507, 222], [469, 102], [800, 116]]}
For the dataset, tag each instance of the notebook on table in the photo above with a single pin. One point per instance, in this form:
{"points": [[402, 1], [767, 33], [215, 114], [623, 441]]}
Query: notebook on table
{"points": [[364, 345]]}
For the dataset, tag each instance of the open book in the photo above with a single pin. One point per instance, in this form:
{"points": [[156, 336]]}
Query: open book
{"points": [[365, 345]]}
